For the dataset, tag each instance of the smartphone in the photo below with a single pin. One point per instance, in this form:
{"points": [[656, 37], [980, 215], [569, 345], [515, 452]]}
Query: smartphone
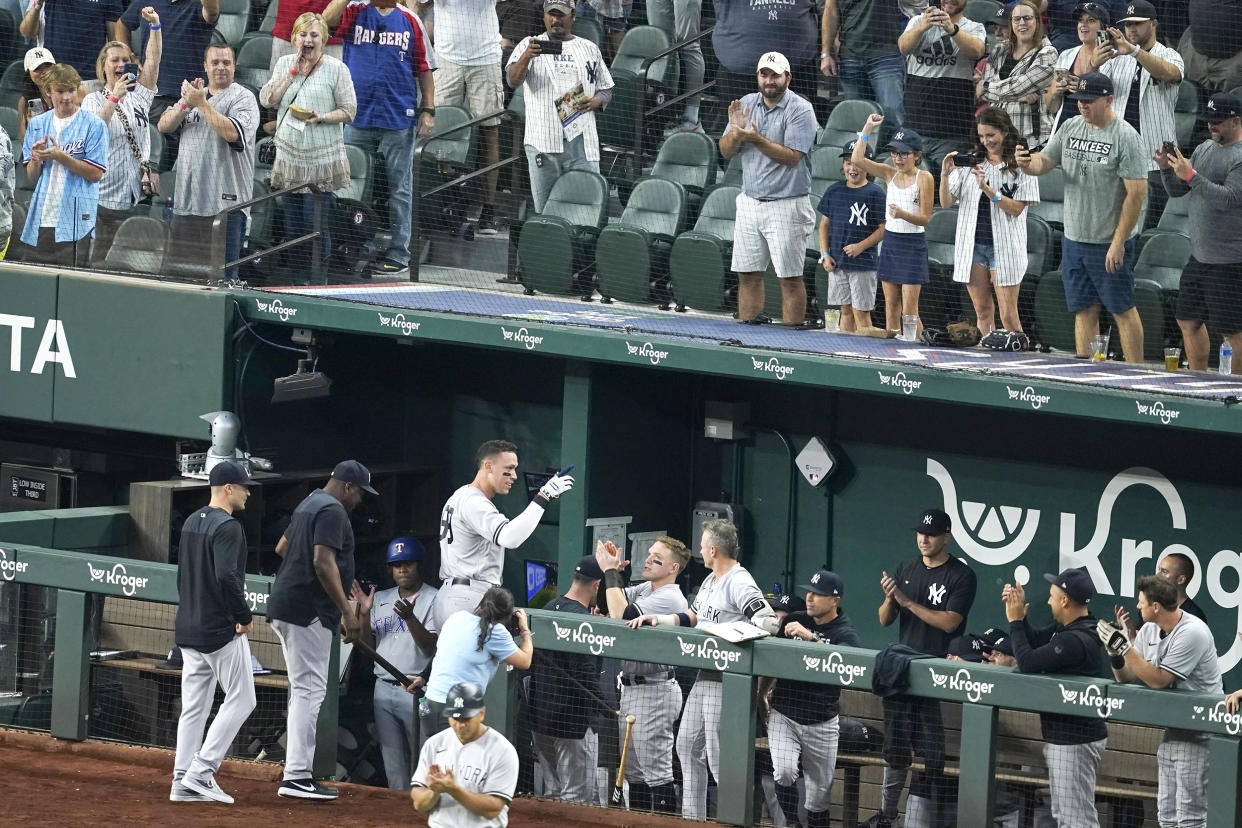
{"points": [[1102, 37], [933, 4], [132, 70], [551, 47], [965, 159], [1170, 148], [35, 106]]}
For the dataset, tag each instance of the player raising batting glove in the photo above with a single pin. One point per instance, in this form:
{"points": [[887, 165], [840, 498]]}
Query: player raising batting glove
{"points": [[556, 486]]}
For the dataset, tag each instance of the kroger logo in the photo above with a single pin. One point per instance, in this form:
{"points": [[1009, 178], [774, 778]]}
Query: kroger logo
{"points": [[521, 337], [962, 681], [276, 308], [899, 381], [1157, 410], [709, 649], [1232, 722], [1028, 395], [646, 350], [117, 576], [399, 323], [10, 568], [584, 633], [1092, 697], [835, 665], [256, 600], [772, 366]]}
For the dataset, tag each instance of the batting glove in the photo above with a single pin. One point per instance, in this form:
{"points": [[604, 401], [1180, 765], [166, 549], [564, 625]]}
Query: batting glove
{"points": [[556, 486], [1115, 641]]}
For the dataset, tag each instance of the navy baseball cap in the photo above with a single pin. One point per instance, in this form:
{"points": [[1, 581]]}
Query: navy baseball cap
{"points": [[588, 568], [906, 140], [848, 149], [998, 640], [934, 522], [1075, 583], [824, 582], [1221, 107], [1092, 86], [230, 471], [967, 647], [1092, 10], [1139, 11], [351, 471], [786, 603]]}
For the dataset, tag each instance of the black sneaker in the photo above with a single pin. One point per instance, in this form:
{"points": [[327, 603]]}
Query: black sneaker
{"points": [[306, 789], [387, 267], [877, 820], [486, 225]]}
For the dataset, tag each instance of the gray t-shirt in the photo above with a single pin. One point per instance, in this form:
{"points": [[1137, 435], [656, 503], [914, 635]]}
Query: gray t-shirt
{"points": [[728, 598], [790, 123], [938, 56], [214, 174], [663, 601], [1214, 202], [1095, 162]]}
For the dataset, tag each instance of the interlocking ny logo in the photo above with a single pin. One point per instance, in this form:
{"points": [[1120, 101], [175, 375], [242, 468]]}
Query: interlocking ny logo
{"points": [[459, 702], [814, 579], [927, 520], [1130, 9], [935, 593], [858, 214]]}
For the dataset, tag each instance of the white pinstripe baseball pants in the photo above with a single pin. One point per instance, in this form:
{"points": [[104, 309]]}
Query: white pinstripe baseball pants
{"points": [[698, 746], [1181, 799]]}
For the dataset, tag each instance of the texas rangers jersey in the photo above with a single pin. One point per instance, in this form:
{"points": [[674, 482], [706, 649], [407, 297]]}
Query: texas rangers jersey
{"points": [[392, 637], [469, 528], [733, 596], [667, 599], [488, 765]]}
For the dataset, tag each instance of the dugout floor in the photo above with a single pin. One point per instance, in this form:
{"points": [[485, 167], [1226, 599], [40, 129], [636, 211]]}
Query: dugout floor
{"points": [[511, 303]]}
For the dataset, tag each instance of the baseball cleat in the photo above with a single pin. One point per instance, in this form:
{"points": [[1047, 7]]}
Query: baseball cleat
{"points": [[306, 789], [207, 787]]}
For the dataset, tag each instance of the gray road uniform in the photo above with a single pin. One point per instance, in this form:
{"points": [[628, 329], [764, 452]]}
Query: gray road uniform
{"points": [[396, 722], [488, 765]]}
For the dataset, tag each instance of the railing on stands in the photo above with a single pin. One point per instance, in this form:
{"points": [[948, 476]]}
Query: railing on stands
{"points": [[661, 105], [417, 193], [982, 690], [219, 229]]}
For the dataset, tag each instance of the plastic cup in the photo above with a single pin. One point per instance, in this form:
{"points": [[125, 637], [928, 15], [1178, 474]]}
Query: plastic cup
{"points": [[832, 320], [1099, 347], [1172, 358], [910, 328]]}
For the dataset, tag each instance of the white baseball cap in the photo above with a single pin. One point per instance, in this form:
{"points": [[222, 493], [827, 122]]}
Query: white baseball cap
{"points": [[774, 61], [38, 56]]}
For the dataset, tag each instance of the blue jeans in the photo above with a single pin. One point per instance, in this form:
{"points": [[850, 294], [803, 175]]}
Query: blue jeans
{"points": [[885, 77], [398, 148], [546, 167], [299, 210]]}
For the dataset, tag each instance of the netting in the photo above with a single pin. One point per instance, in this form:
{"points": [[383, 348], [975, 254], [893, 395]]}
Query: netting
{"points": [[28, 635], [528, 181]]}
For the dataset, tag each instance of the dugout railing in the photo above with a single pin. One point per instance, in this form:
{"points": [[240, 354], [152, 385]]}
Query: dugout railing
{"points": [[986, 694]]}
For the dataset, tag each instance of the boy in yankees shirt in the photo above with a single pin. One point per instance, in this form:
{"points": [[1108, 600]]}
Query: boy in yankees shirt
{"points": [[649, 692], [728, 593], [851, 225], [930, 599]]}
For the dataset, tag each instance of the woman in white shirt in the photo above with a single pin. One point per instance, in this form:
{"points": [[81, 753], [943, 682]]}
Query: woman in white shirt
{"points": [[990, 245]]}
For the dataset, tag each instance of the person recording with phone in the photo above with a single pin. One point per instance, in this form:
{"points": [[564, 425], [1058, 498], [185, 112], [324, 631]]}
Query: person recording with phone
{"points": [[123, 104], [1074, 62], [990, 246]]}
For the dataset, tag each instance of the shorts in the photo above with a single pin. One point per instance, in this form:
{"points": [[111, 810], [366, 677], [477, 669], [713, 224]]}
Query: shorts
{"points": [[1088, 283], [479, 87], [772, 232], [1211, 294], [855, 288], [985, 254]]}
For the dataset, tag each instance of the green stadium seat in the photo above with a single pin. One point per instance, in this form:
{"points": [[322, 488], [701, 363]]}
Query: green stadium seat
{"points": [[732, 174], [266, 25], [590, 29], [554, 248], [8, 120], [1162, 260], [845, 122], [941, 233], [639, 44], [689, 158], [12, 82], [253, 61], [443, 160], [231, 25], [983, 11], [1186, 114], [631, 256], [1149, 298], [1051, 204], [825, 171], [1054, 319], [700, 262], [138, 246], [1043, 249]]}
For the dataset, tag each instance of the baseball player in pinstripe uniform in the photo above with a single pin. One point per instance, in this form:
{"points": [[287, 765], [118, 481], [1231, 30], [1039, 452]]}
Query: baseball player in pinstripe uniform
{"points": [[474, 534], [728, 593], [213, 618], [649, 692], [393, 623]]}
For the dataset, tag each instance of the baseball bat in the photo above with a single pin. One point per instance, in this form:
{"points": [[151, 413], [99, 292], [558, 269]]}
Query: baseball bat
{"points": [[625, 752], [369, 651]]}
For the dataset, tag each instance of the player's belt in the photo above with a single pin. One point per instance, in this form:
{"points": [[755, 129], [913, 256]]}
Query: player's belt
{"points": [[469, 581], [650, 678], [391, 681]]}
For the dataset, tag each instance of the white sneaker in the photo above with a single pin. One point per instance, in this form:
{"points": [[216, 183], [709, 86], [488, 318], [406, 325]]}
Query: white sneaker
{"points": [[207, 787]]}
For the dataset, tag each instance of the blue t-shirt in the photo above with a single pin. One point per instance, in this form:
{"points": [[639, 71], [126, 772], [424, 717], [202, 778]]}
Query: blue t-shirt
{"points": [[75, 30], [854, 213], [186, 35], [458, 657], [384, 53]]}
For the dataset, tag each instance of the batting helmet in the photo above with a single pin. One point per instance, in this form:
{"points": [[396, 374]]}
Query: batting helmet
{"points": [[463, 701], [403, 549]]}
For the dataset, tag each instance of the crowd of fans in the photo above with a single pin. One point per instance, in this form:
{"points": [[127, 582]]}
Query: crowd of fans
{"points": [[973, 103]]}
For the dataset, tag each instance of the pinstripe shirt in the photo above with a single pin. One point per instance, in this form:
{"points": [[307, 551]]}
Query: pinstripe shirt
{"points": [[551, 76], [1008, 232], [1156, 99], [1030, 76]]}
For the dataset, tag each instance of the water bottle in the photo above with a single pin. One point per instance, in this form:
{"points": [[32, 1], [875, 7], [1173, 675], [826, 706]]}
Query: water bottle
{"points": [[168, 208], [1226, 358]]}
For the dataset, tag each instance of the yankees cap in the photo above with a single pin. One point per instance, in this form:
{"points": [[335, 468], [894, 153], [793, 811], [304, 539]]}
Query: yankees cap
{"points": [[1093, 85], [1139, 11], [967, 647], [1095, 10], [934, 522], [351, 471], [786, 603], [998, 640], [848, 149], [775, 61], [1221, 107], [558, 5], [825, 582], [905, 140], [1075, 583]]}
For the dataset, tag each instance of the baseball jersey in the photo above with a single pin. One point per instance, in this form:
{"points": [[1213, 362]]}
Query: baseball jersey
{"points": [[488, 765], [211, 580], [1188, 652], [807, 702], [297, 596], [733, 596], [550, 78], [214, 174], [1095, 161], [384, 53], [70, 201], [469, 531], [663, 601], [853, 213], [557, 705], [8, 179], [1157, 99], [392, 636], [1008, 233], [949, 587], [458, 657], [121, 186], [468, 32]]}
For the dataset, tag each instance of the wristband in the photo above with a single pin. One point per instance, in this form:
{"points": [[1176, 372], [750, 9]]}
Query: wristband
{"points": [[184, 106], [612, 578], [293, 72], [1192, 175], [823, 256], [1118, 662], [541, 500], [864, 137], [112, 99], [996, 198], [824, 55], [156, 27], [683, 619], [956, 29]]}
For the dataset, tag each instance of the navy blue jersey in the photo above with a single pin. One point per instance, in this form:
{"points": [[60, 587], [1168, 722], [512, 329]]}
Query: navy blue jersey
{"points": [[854, 213]]}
